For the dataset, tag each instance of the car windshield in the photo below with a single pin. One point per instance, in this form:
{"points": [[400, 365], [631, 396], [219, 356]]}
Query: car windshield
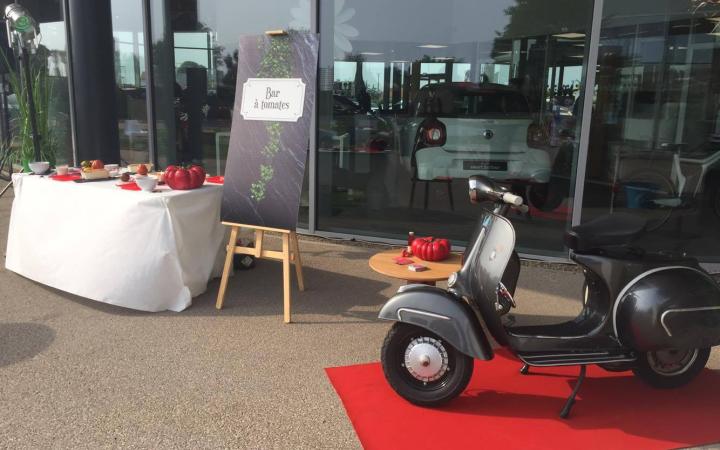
{"points": [[470, 101]]}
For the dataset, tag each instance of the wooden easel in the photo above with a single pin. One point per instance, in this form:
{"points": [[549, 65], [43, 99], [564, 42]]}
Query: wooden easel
{"points": [[290, 253]]}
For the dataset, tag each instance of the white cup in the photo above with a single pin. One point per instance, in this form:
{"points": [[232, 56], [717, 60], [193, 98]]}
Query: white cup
{"points": [[62, 170]]}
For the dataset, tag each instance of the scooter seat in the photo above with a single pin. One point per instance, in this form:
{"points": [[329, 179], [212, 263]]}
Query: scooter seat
{"points": [[605, 231]]}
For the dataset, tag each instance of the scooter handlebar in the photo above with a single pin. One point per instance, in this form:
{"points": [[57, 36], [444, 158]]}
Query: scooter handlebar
{"points": [[512, 199]]}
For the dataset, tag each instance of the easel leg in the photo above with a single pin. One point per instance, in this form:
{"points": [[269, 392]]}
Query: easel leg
{"points": [[297, 261], [286, 276], [259, 237], [228, 266]]}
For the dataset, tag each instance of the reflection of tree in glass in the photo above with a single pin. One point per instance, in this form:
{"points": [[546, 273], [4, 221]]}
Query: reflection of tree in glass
{"points": [[231, 63], [529, 18], [536, 25]]}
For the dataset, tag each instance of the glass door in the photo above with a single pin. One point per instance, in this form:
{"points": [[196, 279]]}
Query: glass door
{"points": [[655, 136]]}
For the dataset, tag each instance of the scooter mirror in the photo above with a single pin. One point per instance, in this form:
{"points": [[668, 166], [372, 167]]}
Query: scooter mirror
{"points": [[482, 189]]}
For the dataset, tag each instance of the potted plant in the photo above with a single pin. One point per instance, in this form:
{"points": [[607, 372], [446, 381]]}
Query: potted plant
{"points": [[22, 144]]}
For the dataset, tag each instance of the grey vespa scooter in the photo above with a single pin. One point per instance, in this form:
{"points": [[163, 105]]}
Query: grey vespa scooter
{"points": [[655, 314]]}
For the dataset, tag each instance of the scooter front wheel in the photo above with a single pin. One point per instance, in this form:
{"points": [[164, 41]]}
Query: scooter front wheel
{"points": [[667, 369], [422, 367]]}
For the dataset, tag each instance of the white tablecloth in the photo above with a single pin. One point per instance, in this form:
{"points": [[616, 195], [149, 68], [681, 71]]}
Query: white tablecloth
{"points": [[141, 250]]}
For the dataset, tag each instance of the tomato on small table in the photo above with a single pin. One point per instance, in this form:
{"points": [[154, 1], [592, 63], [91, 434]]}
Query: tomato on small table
{"points": [[431, 249]]}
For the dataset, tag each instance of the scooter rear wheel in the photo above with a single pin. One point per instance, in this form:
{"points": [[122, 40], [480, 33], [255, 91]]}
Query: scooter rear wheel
{"points": [[667, 369], [422, 367]]}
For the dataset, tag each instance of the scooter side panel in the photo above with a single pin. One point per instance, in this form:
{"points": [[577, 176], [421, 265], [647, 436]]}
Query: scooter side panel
{"points": [[437, 311], [485, 267], [669, 308]]}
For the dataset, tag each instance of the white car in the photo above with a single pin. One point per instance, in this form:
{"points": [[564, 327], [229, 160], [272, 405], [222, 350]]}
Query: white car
{"points": [[465, 129]]}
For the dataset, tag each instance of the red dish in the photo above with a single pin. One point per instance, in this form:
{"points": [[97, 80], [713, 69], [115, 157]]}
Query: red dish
{"points": [[129, 186], [68, 177], [217, 179]]}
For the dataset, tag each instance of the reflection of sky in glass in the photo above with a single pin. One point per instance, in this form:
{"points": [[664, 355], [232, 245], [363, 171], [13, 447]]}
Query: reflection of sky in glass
{"points": [[53, 37], [192, 48], [373, 75], [126, 44], [345, 71], [127, 23], [230, 19], [427, 21], [465, 34]]}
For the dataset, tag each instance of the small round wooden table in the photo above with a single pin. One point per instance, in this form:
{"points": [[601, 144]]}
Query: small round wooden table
{"points": [[384, 263]]}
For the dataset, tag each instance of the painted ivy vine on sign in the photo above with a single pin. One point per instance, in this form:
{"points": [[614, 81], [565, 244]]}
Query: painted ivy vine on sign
{"points": [[276, 63]]}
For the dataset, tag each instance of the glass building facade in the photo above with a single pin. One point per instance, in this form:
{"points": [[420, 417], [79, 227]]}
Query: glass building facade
{"points": [[584, 107]]}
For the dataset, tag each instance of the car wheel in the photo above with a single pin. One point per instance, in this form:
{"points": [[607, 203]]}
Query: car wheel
{"points": [[422, 367], [543, 197]]}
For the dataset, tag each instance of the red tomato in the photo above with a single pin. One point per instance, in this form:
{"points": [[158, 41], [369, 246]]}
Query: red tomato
{"points": [[181, 178], [97, 164], [142, 169], [197, 174], [431, 249]]}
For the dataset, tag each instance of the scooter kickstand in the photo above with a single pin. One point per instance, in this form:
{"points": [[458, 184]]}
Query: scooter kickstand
{"points": [[525, 369], [571, 400]]}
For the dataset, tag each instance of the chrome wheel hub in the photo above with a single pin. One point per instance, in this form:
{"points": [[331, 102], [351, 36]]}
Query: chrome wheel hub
{"points": [[672, 362], [426, 359]]}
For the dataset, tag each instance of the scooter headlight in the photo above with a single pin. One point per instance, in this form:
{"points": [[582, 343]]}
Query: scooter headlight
{"points": [[452, 279]]}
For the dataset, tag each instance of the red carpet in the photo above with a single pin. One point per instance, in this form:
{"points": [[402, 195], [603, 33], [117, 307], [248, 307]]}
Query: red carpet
{"points": [[503, 409]]}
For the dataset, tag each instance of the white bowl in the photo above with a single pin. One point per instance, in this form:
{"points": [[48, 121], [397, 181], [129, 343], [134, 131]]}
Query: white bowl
{"points": [[146, 183], [39, 167]]}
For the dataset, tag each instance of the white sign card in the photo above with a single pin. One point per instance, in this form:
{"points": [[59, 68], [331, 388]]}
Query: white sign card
{"points": [[273, 99]]}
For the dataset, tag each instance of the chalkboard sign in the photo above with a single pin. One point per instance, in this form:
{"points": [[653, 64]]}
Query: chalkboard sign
{"points": [[274, 101]]}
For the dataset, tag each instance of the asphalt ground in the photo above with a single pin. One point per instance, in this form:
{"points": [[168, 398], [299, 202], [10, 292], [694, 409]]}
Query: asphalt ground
{"points": [[75, 373]]}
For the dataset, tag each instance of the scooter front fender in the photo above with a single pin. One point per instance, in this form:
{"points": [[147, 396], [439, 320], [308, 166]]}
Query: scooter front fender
{"points": [[438, 311]]}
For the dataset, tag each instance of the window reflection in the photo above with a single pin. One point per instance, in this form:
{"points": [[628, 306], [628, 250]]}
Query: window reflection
{"points": [[497, 83], [655, 136], [195, 101], [130, 73]]}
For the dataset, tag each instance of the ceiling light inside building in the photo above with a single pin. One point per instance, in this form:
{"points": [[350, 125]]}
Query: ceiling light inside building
{"points": [[570, 35]]}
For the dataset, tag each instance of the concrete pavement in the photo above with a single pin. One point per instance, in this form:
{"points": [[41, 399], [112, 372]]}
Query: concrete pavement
{"points": [[77, 373]]}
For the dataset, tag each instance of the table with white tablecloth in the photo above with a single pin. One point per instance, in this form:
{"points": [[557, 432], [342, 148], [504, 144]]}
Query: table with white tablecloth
{"points": [[151, 251]]}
